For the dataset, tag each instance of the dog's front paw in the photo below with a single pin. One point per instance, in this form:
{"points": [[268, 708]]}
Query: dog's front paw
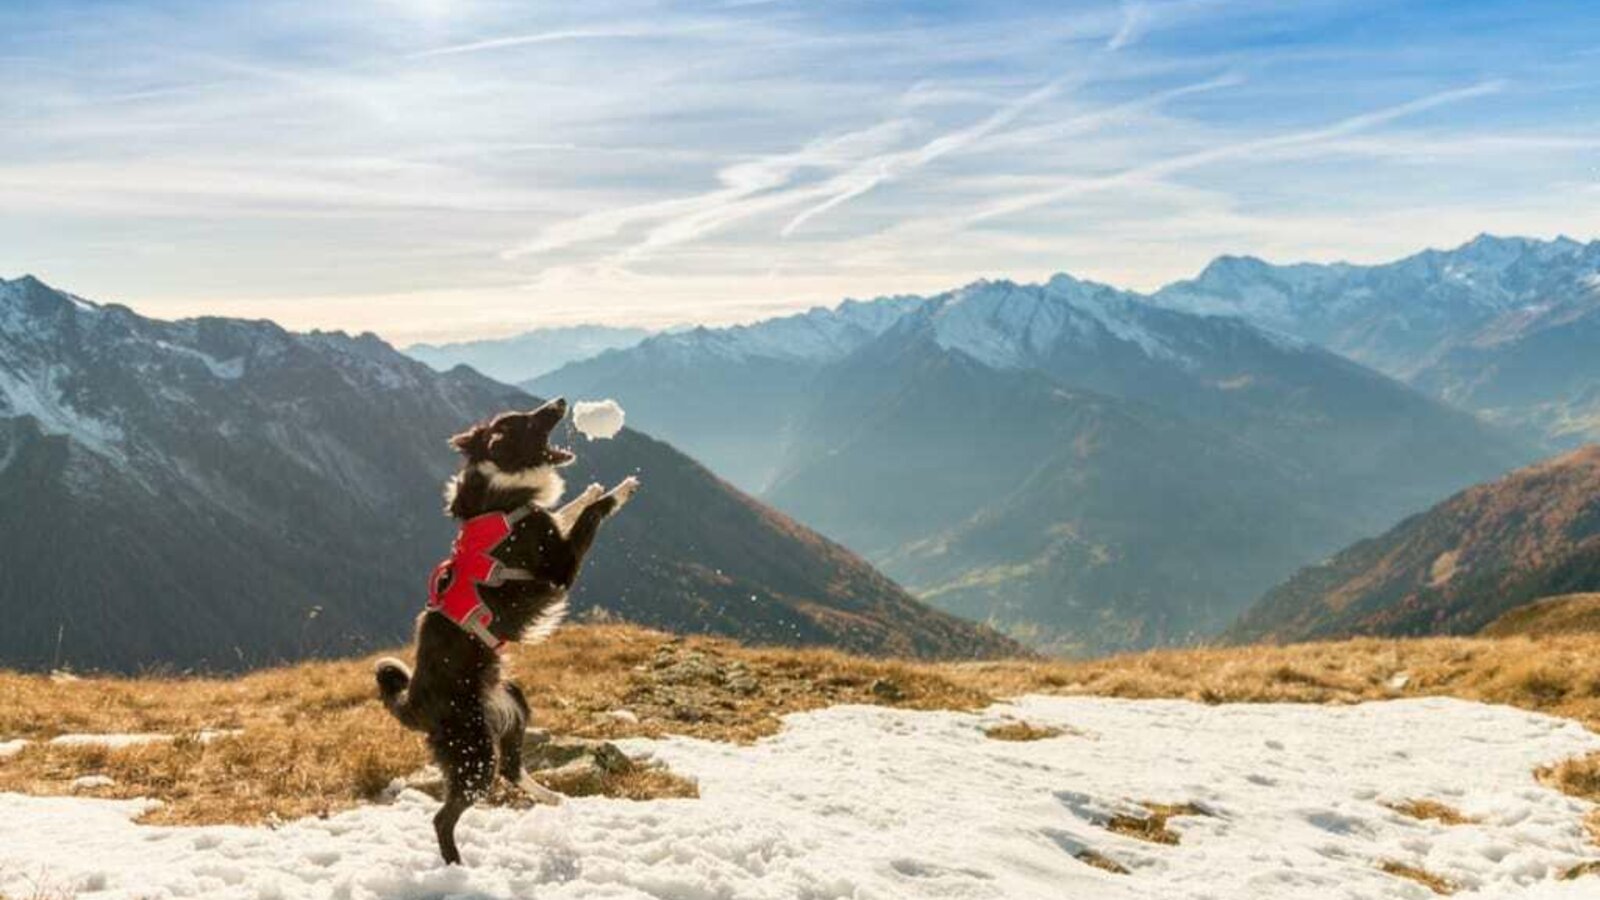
{"points": [[624, 490], [591, 493]]}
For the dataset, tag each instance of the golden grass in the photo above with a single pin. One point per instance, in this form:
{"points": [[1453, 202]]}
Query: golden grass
{"points": [[1567, 614], [1021, 731], [1436, 883], [314, 740], [1432, 811], [1100, 861]]}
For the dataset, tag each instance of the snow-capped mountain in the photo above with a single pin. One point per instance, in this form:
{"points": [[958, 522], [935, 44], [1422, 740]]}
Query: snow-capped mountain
{"points": [[1094, 473], [1019, 453], [223, 492], [1443, 320], [530, 354], [1390, 316], [726, 395]]}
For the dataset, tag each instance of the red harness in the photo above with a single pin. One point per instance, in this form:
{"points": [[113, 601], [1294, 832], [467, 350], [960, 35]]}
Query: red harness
{"points": [[453, 590]]}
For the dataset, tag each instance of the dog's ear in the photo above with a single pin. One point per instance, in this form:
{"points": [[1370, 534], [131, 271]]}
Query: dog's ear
{"points": [[474, 442]]}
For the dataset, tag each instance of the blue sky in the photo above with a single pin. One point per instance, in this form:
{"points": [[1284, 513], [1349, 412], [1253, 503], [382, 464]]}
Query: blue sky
{"points": [[450, 168]]}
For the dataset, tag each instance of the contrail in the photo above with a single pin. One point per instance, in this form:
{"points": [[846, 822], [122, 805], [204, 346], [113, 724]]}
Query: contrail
{"points": [[1188, 161]]}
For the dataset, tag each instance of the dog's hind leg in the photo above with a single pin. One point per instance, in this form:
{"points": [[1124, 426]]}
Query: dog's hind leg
{"points": [[511, 754], [466, 756]]}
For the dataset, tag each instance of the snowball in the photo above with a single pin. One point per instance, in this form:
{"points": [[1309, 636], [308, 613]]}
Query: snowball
{"points": [[598, 420]]}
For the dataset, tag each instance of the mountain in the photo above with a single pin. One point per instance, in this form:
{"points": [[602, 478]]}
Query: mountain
{"points": [[530, 354], [1536, 370], [224, 493], [727, 395], [1453, 569], [1093, 473], [1501, 326]]}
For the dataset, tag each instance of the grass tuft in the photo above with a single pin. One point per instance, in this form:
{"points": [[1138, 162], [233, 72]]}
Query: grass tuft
{"points": [[1021, 731], [1432, 810], [1436, 883], [1100, 861], [1152, 828]]}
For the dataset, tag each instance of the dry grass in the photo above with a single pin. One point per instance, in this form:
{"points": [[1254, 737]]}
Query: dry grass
{"points": [[1021, 731], [1152, 828], [1432, 811], [1568, 614], [1100, 861], [314, 739], [1436, 883], [1579, 777]]}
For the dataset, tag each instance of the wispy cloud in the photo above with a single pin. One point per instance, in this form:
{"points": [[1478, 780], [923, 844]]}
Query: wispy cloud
{"points": [[1240, 150], [543, 37], [383, 160], [1134, 16], [870, 173]]}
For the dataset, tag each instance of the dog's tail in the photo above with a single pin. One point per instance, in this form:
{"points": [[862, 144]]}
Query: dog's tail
{"points": [[394, 678]]}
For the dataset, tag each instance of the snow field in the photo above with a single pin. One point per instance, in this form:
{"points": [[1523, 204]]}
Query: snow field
{"points": [[868, 802]]}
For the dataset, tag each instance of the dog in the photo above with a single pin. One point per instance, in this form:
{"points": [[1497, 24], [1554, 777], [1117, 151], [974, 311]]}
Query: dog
{"points": [[515, 560]]}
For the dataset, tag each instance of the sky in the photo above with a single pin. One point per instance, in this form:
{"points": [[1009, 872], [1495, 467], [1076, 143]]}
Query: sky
{"points": [[450, 169]]}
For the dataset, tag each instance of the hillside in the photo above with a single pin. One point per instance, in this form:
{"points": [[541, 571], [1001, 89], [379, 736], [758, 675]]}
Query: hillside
{"points": [[225, 494], [1179, 759], [1453, 569], [1551, 617]]}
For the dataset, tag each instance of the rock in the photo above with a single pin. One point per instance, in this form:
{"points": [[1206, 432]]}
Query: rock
{"points": [[884, 689], [428, 780], [556, 753], [743, 684], [620, 716], [583, 777]]}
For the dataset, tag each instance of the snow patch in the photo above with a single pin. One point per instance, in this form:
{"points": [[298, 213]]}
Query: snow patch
{"points": [[92, 782], [120, 741], [40, 395], [225, 369], [599, 419], [12, 748], [868, 802]]}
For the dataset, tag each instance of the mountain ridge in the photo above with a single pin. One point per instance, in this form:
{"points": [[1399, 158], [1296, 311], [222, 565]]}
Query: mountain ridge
{"points": [[1452, 569], [229, 493]]}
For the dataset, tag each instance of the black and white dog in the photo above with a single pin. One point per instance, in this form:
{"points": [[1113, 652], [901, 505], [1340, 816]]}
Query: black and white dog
{"points": [[515, 559]]}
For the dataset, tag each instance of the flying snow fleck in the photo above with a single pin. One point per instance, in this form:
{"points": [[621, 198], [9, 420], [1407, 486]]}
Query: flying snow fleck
{"points": [[599, 419]]}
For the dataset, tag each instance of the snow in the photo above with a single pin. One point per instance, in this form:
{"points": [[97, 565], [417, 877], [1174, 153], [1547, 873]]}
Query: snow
{"points": [[120, 741], [12, 748], [91, 782], [867, 802], [1010, 326], [598, 419], [38, 394], [225, 369], [111, 742]]}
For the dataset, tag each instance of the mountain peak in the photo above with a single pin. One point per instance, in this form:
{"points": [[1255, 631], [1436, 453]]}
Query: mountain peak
{"points": [[1231, 268]]}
